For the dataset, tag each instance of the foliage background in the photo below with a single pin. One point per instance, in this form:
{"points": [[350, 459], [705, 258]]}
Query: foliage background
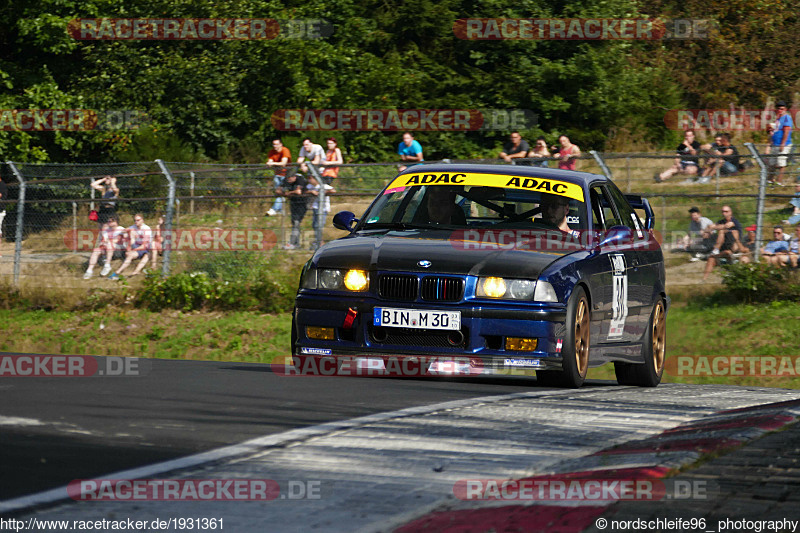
{"points": [[213, 100]]}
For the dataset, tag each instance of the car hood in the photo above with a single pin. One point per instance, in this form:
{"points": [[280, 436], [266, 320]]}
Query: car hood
{"points": [[402, 250]]}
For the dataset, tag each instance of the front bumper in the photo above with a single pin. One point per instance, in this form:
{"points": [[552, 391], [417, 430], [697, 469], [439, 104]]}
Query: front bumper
{"points": [[484, 327]]}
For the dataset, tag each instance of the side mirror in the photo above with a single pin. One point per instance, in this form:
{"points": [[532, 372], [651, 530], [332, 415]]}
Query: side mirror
{"points": [[617, 235], [344, 220]]}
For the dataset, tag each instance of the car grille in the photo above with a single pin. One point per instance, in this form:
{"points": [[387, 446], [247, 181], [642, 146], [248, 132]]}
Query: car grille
{"points": [[398, 287], [439, 289], [418, 337], [432, 289]]}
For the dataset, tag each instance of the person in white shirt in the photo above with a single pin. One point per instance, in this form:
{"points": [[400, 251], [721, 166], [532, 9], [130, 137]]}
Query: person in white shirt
{"points": [[139, 239], [313, 152]]}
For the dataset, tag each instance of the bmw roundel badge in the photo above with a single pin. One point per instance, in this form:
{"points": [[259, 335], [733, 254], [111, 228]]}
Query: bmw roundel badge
{"points": [[424, 263]]}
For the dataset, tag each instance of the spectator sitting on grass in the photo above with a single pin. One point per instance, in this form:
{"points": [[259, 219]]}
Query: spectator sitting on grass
{"points": [[794, 250], [726, 160], [774, 249], [686, 162], [729, 232], [112, 243], [139, 239], [699, 239], [749, 243]]}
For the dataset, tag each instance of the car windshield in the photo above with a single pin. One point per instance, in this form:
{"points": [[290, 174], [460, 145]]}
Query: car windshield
{"points": [[534, 203]]}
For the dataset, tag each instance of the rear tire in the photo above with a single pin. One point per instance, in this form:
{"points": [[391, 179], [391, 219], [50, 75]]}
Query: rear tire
{"points": [[653, 351], [575, 355]]}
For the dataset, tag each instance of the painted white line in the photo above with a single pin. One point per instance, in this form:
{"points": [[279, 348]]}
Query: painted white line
{"points": [[260, 443], [18, 421]]}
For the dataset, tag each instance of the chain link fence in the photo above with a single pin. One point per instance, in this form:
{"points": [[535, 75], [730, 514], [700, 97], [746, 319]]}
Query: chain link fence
{"points": [[222, 218]]}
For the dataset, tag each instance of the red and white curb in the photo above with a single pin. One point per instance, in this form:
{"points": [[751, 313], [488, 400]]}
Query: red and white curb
{"points": [[653, 458]]}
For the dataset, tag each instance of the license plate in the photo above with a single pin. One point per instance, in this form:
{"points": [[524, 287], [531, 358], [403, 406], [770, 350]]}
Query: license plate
{"points": [[416, 318]]}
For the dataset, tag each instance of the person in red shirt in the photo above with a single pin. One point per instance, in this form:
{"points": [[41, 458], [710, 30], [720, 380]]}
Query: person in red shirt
{"points": [[278, 158], [566, 154]]}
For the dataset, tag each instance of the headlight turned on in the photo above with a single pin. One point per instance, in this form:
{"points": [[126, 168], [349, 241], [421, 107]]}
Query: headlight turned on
{"points": [[510, 289], [332, 279]]}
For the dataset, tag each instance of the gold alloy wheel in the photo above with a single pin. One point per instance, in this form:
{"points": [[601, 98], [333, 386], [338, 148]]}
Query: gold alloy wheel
{"points": [[582, 336], [659, 336]]}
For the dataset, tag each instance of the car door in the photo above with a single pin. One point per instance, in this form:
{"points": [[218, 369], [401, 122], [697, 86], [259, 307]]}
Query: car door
{"points": [[642, 270], [616, 274]]}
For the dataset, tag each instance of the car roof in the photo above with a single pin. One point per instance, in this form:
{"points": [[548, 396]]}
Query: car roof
{"points": [[572, 176]]}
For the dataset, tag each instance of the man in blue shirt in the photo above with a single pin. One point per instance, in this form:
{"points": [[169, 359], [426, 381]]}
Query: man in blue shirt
{"points": [[410, 151], [780, 140], [772, 250]]}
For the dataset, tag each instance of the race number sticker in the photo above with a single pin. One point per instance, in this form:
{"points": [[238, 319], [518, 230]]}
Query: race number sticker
{"points": [[619, 296]]}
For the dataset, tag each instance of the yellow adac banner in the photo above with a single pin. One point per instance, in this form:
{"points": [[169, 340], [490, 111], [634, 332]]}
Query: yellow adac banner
{"points": [[506, 181]]}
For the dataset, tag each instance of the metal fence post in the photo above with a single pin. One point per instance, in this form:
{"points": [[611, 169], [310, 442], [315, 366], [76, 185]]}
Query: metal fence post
{"points": [[20, 221], [762, 192], [75, 227], [191, 193], [168, 238], [664, 217], [320, 203], [601, 163]]}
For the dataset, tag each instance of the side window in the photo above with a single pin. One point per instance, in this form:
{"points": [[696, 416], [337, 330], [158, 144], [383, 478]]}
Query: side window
{"points": [[603, 213], [629, 216]]}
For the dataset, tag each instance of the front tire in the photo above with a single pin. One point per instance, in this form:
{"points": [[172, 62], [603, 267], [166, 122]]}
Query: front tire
{"points": [[653, 352], [575, 356]]}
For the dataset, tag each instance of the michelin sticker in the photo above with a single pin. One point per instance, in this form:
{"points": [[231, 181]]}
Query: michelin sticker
{"points": [[619, 297]]}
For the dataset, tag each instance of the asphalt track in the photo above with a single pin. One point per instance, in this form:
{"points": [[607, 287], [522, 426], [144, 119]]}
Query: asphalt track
{"points": [[54, 430]]}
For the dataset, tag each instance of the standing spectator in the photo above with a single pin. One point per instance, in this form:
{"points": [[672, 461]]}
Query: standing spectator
{"points": [[729, 232], [540, 152], [515, 148], [698, 240], [776, 248], [686, 162], [278, 157], [107, 185], [332, 157], [112, 243], [726, 160], [139, 238], [410, 151], [313, 189], [567, 154], [293, 187], [313, 152], [780, 140]]}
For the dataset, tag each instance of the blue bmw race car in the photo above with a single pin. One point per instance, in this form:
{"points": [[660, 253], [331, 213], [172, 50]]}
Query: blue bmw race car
{"points": [[492, 268]]}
